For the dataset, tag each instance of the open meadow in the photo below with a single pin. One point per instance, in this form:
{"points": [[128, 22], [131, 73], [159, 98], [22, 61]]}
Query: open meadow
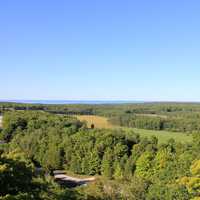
{"points": [[163, 136], [98, 121]]}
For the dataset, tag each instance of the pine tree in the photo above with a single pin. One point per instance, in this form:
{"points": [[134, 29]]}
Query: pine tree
{"points": [[118, 172], [106, 167], [94, 163]]}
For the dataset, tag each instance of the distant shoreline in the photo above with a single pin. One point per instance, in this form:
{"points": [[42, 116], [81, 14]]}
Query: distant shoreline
{"points": [[71, 101], [92, 102]]}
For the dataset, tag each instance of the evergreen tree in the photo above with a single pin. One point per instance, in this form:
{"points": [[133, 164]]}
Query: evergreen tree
{"points": [[118, 172], [106, 166]]}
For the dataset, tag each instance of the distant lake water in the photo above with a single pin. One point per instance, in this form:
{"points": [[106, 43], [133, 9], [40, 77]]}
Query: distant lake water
{"points": [[91, 102]]}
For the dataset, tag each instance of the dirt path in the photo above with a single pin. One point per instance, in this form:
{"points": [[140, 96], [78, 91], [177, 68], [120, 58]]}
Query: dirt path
{"points": [[71, 181], [69, 178]]}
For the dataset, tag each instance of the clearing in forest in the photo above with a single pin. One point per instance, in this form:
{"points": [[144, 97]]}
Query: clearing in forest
{"points": [[97, 121], [163, 136]]}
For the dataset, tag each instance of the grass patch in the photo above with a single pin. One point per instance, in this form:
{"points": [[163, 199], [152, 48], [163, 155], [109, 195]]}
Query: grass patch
{"points": [[163, 136]]}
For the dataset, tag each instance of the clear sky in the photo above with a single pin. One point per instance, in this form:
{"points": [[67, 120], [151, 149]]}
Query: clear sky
{"points": [[100, 49]]}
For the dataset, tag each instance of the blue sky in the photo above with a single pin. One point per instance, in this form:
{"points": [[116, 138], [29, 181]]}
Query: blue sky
{"points": [[100, 49]]}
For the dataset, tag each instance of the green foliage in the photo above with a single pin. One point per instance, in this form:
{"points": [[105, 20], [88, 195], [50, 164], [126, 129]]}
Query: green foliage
{"points": [[14, 176], [156, 122], [144, 165], [118, 171], [192, 182], [15, 122], [162, 158], [195, 168], [136, 189], [106, 167], [160, 192], [94, 163], [21, 196], [133, 168], [18, 182], [180, 117]]}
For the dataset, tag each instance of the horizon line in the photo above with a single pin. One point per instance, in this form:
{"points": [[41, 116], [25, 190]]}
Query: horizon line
{"points": [[37, 101]]}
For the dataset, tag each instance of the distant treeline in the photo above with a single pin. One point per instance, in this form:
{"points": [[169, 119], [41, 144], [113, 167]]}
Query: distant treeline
{"points": [[177, 124], [57, 109], [108, 109], [181, 117]]}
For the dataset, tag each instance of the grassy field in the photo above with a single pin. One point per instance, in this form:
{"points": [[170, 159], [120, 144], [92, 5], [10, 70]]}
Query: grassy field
{"points": [[99, 122], [163, 136]]}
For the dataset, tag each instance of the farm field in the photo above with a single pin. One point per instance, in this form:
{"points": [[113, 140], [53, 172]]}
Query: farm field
{"points": [[163, 136], [98, 121]]}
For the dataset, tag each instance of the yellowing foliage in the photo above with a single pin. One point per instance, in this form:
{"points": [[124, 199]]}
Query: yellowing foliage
{"points": [[195, 168], [196, 198], [3, 168], [192, 183], [162, 159]]}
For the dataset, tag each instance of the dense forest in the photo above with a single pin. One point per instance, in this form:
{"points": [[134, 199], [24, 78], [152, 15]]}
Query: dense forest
{"points": [[126, 166], [184, 123]]}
